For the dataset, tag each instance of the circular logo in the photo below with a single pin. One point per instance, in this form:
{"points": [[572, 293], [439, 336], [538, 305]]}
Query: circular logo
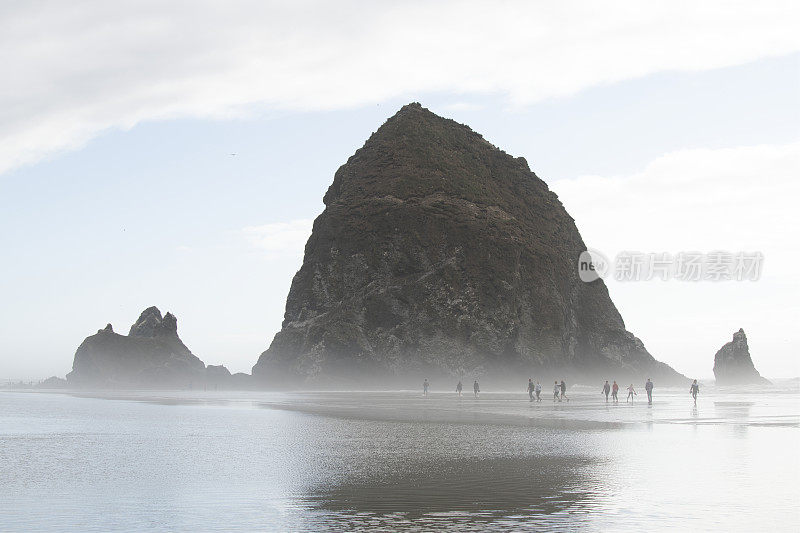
{"points": [[592, 265]]}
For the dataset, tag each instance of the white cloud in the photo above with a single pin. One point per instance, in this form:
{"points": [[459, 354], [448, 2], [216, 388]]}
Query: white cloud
{"points": [[693, 199], [280, 237], [731, 199], [74, 70]]}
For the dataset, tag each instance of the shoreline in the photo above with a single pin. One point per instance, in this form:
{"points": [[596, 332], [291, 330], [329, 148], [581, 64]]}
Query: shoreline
{"points": [[586, 411]]}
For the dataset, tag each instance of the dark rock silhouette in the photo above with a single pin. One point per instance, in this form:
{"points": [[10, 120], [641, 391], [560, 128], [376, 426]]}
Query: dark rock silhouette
{"points": [[438, 253], [242, 381], [733, 365], [218, 373], [152, 355], [54, 382]]}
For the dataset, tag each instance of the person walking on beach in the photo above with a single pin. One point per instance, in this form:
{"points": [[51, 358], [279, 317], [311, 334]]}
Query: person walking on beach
{"points": [[556, 391], [531, 388], [476, 388], [693, 390], [649, 388], [563, 388], [606, 390], [425, 386], [538, 392], [631, 393], [459, 387], [614, 392]]}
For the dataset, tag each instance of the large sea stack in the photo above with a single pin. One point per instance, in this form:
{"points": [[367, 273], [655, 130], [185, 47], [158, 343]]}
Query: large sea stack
{"points": [[733, 365], [438, 254], [151, 355]]}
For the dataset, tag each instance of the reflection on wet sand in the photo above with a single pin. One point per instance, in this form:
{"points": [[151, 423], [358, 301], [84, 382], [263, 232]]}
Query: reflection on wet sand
{"points": [[155, 398], [400, 412], [473, 493]]}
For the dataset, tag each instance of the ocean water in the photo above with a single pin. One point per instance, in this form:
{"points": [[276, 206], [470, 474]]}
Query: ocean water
{"points": [[395, 461]]}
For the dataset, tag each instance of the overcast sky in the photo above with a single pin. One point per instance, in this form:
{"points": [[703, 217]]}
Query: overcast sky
{"points": [[663, 126]]}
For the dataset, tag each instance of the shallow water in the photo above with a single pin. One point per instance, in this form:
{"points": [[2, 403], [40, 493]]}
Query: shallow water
{"points": [[397, 461]]}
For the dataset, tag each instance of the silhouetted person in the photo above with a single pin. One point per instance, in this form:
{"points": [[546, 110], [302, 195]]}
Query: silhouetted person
{"points": [[459, 387], [693, 390], [614, 392], [556, 391], [538, 392], [476, 388], [425, 386], [648, 387], [606, 390], [530, 389], [631, 393], [563, 388]]}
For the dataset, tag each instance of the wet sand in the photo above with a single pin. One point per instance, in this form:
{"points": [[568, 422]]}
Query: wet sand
{"points": [[395, 461], [585, 410]]}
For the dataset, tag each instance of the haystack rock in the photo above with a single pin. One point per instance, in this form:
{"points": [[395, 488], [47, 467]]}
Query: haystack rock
{"points": [[438, 254], [151, 355], [733, 365]]}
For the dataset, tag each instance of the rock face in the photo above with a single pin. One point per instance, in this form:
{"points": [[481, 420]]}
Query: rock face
{"points": [[733, 365], [151, 355], [438, 253]]}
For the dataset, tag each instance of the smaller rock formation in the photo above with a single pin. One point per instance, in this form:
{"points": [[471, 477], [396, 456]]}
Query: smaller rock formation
{"points": [[151, 355], [217, 373], [219, 377], [54, 382], [733, 365], [242, 381]]}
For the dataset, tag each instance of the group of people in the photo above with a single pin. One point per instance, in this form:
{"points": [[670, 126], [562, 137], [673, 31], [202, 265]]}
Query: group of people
{"points": [[614, 390], [560, 390], [476, 389]]}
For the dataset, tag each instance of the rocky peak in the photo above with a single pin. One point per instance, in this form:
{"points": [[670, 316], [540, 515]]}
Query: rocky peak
{"points": [[740, 341], [447, 158], [170, 323], [151, 324]]}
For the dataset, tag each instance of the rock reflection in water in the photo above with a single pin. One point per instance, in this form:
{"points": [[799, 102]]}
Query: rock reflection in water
{"points": [[478, 492]]}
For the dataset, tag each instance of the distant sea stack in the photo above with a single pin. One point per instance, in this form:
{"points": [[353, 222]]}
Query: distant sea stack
{"points": [[439, 254], [151, 355], [733, 365]]}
